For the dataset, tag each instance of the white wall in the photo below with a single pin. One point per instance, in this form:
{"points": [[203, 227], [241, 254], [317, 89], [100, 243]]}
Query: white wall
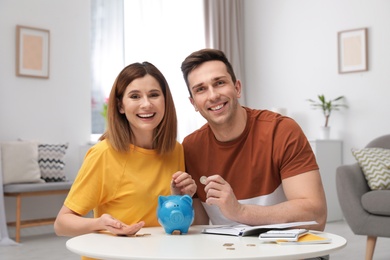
{"points": [[291, 55], [47, 110]]}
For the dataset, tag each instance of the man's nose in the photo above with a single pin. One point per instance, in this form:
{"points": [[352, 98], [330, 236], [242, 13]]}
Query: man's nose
{"points": [[213, 93]]}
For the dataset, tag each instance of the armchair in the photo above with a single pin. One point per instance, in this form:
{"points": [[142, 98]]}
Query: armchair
{"points": [[366, 211]]}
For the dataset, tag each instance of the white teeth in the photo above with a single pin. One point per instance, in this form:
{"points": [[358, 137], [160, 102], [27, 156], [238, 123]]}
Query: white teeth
{"points": [[145, 115], [216, 108]]}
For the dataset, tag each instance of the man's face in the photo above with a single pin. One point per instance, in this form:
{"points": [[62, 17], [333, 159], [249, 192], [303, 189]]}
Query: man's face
{"points": [[214, 94]]}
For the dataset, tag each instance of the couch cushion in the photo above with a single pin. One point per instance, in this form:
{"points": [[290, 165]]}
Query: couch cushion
{"points": [[377, 202], [51, 161], [20, 162], [375, 163]]}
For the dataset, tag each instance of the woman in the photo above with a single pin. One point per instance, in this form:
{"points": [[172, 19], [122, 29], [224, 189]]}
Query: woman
{"points": [[137, 159]]}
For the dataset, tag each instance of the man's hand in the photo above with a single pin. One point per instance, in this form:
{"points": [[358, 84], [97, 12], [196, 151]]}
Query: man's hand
{"points": [[117, 227], [220, 193], [182, 183]]}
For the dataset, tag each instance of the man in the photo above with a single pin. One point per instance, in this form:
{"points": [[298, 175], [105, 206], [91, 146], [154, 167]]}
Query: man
{"points": [[259, 165]]}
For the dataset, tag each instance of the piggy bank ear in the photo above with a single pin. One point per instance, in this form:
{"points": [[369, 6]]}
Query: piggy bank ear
{"points": [[187, 199], [161, 199]]}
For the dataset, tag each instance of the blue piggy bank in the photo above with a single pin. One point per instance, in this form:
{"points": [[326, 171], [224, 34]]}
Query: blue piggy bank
{"points": [[175, 213]]}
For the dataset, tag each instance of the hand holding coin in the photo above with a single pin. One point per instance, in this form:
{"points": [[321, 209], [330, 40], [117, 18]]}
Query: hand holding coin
{"points": [[203, 180]]}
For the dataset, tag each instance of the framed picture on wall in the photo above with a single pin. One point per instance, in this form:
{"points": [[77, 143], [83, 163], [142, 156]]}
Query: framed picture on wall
{"points": [[32, 52], [352, 50]]}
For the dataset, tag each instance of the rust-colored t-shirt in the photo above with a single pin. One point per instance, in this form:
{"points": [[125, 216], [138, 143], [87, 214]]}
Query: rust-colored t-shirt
{"points": [[271, 148]]}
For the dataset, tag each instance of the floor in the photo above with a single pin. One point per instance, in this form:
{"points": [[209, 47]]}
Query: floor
{"points": [[49, 246], [356, 245]]}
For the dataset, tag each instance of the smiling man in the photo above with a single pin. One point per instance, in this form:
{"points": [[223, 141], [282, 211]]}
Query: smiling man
{"points": [[257, 167]]}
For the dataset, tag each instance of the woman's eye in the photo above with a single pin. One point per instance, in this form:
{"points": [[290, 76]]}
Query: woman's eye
{"points": [[155, 95], [134, 96]]}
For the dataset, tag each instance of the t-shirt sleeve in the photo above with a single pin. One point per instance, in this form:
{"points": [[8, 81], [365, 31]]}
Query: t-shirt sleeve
{"points": [[86, 191], [293, 149]]}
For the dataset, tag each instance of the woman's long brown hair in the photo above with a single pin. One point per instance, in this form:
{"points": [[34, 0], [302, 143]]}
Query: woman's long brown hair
{"points": [[119, 132]]}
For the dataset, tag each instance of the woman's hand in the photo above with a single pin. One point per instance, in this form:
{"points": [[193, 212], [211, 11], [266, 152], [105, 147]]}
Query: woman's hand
{"points": [[117, 227], [182, 183]]}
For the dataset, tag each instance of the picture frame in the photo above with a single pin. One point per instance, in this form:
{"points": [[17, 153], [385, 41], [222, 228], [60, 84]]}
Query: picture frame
{"points": [[32, 52], [352, 50]]}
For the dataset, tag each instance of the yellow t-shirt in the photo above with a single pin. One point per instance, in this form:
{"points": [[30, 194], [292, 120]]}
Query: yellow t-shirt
{"points": [[124, 185]]}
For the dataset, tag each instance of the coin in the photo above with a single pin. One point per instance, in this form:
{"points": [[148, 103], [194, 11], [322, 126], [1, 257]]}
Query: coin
{"points": [[203, 179]]}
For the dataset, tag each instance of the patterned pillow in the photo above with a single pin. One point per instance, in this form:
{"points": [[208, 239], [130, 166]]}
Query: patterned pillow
{"points": [[51, 161], [375, 163]]}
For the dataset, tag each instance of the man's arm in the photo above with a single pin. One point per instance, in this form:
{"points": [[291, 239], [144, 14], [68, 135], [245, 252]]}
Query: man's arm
{"points": [[305, 202], [305, 192]]}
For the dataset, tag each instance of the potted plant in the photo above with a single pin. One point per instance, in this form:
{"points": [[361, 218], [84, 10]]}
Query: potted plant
{"points": [[327, 106]]}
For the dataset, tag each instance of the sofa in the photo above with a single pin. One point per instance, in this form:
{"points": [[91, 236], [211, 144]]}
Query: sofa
{"points": [[363, 190], [29, 168]]}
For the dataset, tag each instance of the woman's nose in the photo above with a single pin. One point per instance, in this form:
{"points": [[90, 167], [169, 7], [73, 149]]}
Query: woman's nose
{"points": [[146, 102]]}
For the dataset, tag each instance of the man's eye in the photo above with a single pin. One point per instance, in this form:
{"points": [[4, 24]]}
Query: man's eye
{"points": [[200, 89], [220, 82]]}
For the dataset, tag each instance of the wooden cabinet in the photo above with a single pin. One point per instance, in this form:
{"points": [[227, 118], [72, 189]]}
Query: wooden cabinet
{"points": [[329, 155]]}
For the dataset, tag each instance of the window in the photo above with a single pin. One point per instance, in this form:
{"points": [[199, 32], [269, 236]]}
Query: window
{"points": [[164, 32]]}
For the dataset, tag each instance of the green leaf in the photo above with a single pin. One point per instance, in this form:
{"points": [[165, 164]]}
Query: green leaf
{"points": [[327, 106]]}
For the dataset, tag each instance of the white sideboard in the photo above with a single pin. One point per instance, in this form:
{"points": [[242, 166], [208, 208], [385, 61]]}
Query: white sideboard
{"points": [[329, 154]]}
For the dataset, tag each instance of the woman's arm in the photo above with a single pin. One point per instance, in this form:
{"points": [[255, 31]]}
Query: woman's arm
{"points": [[69, 223]]}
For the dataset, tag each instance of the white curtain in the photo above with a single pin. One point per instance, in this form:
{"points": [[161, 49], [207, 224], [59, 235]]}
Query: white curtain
{"points": [[107, 53], [164, 32], [224, 20], [127, 31]]}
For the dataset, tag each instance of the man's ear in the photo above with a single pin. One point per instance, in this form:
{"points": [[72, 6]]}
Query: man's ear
{"points": [[238, 87], [193, 103]]}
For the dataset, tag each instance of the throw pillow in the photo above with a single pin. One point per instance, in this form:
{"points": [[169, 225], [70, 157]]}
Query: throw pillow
{"points": [[375, 163], [20, 162], [51, 161]]}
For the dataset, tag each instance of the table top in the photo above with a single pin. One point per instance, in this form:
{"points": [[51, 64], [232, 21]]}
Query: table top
{"points": [[194, 245]]}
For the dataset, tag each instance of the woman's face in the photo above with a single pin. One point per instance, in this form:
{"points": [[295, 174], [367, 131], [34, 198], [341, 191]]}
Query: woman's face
{"points": [[143, 103]]}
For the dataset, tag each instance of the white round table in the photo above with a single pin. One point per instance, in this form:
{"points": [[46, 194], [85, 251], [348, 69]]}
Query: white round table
{"points": [[193, 246]]}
